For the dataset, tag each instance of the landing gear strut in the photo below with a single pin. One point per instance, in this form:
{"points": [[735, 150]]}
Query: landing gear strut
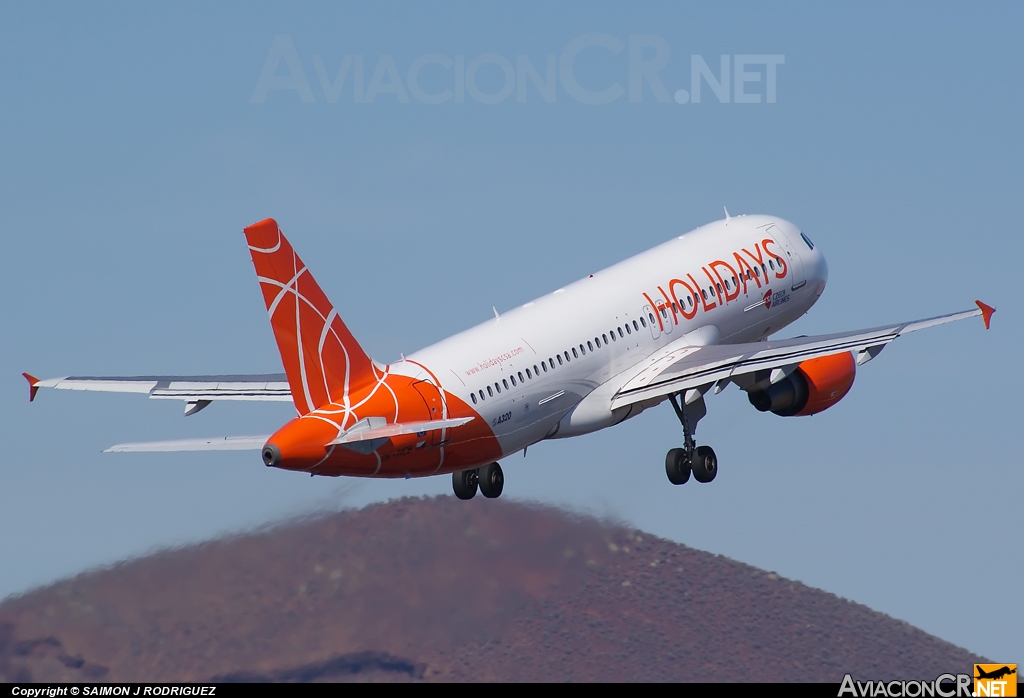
{"points": [[488, 478], [700, 460]]}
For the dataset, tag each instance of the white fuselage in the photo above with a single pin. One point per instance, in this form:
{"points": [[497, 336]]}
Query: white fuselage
{"points": [[550, 367]]}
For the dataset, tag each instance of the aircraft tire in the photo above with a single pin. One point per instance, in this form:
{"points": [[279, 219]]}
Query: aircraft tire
{"points": [[492, 480], [676, 466], [705, 464], [464, 483]]}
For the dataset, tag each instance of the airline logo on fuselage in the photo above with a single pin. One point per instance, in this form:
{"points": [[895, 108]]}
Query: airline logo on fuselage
{"points": [[726, 282], [778, 298]]}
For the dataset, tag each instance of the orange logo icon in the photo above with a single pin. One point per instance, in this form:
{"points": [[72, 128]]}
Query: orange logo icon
{"points": [[995, 680]]}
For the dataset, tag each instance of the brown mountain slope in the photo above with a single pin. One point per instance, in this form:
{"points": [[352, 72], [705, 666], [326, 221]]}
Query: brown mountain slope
{"points": [[439, 589]]}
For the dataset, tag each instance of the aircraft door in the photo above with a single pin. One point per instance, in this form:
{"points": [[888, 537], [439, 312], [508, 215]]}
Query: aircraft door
{"points": [[648, 315], [793, 261], [435, 407]]}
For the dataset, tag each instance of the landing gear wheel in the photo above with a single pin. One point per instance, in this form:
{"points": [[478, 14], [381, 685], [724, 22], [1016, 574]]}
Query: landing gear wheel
{"points": [[464, 483], [492, 480], [705, 464], [677, 467]]}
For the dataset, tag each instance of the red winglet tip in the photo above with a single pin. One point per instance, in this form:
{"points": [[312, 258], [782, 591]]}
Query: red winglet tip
{"points": [[33, 386], [986, 312]]}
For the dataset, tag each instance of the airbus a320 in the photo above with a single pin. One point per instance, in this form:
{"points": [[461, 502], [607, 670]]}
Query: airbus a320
{"points": [[672, 324]]}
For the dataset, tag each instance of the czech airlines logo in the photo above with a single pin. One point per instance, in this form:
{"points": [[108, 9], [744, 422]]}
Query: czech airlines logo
{"points": [[778, 298], [995, 680]]}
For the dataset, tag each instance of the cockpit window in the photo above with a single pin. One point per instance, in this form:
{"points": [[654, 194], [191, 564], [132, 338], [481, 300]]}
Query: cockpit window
{"points": [[807, 240]]}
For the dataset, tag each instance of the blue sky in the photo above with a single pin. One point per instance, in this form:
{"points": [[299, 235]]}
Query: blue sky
{"points": [[135, 145]]}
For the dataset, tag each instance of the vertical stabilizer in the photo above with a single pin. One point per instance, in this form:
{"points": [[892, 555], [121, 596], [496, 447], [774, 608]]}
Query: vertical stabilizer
{"points": [[322, 359]]}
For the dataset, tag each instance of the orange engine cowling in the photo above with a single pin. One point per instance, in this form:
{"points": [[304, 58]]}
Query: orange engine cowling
{"points": [[813, 387]]}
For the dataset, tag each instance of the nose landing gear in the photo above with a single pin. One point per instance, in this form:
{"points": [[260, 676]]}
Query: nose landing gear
{"points": [[701, 461]]}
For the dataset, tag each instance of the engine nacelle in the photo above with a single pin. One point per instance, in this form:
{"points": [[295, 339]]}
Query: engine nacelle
{"points": [[813, 387]]}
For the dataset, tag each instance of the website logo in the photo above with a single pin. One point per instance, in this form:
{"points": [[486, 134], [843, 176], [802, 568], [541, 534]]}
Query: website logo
{"points": [[995, 680]]}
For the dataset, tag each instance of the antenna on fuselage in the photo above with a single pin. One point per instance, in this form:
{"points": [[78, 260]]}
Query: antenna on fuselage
{"points": [[496, 316], [727, 216]]}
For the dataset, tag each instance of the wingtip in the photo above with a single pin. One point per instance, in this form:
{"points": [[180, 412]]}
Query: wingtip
{"points": [[986, 312], [33, 386]]}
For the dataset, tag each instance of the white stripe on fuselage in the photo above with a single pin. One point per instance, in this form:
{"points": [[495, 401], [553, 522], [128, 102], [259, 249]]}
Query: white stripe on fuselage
{"points": [[530, 336]]}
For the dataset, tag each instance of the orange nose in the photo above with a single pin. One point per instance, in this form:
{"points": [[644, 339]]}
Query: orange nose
{"points": [[299, 445]]}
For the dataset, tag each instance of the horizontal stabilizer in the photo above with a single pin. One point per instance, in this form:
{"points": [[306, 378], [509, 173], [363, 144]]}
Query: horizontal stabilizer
{"points": [[365, 430], [216, 443]]}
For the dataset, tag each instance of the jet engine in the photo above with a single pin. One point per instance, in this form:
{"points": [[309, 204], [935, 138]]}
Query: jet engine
{"points": [[812, 387]]}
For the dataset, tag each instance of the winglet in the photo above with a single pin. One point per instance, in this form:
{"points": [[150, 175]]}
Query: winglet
{"points": [[986, 312], [33, 386]]}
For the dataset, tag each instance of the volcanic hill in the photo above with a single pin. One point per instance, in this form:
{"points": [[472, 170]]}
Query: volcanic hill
{"points": [[438, 589]]}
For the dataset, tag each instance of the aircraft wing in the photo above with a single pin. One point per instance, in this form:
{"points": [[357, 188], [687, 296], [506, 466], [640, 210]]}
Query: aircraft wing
{"points": [[689, 367], [196, 391]]}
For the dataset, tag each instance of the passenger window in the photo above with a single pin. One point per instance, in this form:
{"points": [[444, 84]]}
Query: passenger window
{"points": [[521, 376], [590, 346], [497, 387], [574, 354], [635, 326], [642, 322], [620, 331], [727, 285], [757, 273], [704, 293], [650, 316], [771, 264], [676, 307], [513, 378], [719, 287], [490, 393], [628, 331], [473, 397], [505, 383], [566, 354], [605, 337], [764, 270], [481, 395], [559, 357], [552, 362]]}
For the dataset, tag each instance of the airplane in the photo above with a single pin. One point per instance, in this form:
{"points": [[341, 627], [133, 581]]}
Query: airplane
{"points": [[688, 317], [994, 674]]}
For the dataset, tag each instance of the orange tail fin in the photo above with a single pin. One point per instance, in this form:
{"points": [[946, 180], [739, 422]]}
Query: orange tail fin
{"points": [[321, 358]]}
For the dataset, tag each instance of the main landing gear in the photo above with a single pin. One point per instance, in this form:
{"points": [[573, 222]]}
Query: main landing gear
{"points": [[488, 478], [701, 461]]}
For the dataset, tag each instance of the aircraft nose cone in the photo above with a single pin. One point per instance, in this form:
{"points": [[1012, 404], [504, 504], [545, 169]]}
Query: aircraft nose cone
{"points": [[271, 455]]}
